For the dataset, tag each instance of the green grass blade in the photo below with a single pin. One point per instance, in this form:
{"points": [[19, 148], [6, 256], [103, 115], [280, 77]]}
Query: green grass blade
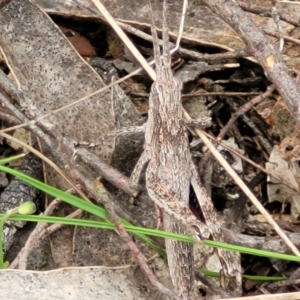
{"points": [[11, 158], [151, 232], [98, 224], [74, 201], [139, 231], [251, 277], [252, 251]]}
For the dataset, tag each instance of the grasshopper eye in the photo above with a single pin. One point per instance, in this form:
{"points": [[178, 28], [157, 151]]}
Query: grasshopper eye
{"points": [[154, 89], [200, 233], [177, 84]]}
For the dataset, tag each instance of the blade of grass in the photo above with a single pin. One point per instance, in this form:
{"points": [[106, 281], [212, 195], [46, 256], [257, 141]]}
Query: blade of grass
{"points": [[152, 232], [101, 213], [99, 224], [75, 201], [11, 158], [252, 251], [251, 277]]}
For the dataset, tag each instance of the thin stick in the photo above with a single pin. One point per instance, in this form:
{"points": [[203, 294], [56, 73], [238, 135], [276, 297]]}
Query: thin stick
{"points": [[283, 296], [45, 159], [259, 167], [245, 189], [181, 26], [123, 36]]}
